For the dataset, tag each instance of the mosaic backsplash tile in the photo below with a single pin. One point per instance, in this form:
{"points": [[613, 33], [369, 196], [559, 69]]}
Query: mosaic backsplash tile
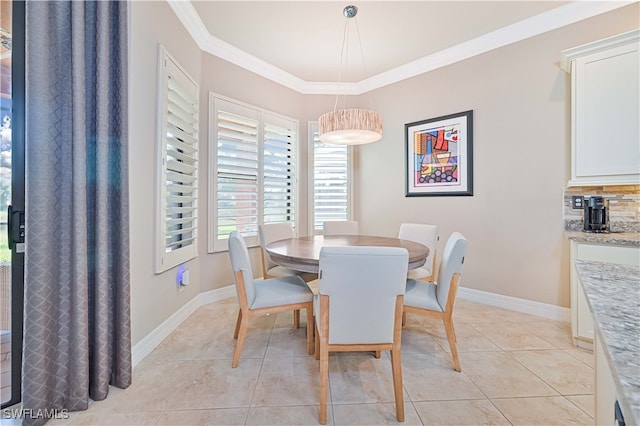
{"points": [[624, 207]]}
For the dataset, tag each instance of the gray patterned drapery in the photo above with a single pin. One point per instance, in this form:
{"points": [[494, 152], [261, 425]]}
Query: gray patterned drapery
{"points": [[77, 337]]}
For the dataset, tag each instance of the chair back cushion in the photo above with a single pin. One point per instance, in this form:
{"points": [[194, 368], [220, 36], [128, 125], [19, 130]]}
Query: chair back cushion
{"points": [[452, 260], [270, 232], [240, 262], [362, 284], [341, 227], [424, 234]]}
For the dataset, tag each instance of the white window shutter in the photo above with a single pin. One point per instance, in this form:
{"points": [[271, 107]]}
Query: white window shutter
{"points": [[279, 142], [237, 148], [252, 155], [331, 184], [178, 119]]}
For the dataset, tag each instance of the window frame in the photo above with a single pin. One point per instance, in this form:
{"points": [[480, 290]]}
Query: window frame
{"points": [[165, 260], [216, 244]]}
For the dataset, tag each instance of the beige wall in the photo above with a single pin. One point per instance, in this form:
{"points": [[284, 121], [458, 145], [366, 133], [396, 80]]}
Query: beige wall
{"points": [[154, 298], [521, 159], [514, 221]]}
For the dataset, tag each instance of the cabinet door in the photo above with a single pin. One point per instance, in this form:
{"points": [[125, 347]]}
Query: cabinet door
{"points": [[584, 326], [606, 115]]}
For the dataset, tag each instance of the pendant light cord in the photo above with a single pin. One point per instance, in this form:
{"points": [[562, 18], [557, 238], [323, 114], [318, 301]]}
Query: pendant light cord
{"points": [[344, 61]]}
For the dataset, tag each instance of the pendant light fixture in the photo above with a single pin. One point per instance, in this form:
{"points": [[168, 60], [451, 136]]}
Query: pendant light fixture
{"points": [[353, 126]]}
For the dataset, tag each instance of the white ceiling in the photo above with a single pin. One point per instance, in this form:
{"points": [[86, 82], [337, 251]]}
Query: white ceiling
{"points": [[297, 43]]}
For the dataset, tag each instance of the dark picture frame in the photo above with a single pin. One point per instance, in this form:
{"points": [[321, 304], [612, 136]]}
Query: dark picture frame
{"points": [[439, 156]]}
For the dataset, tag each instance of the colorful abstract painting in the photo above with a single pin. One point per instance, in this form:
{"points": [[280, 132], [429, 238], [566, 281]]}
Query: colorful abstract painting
{"points": [[438, 154]]}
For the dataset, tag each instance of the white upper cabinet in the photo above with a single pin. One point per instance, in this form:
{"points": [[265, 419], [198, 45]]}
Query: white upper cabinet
{"points": [[605, 111]]}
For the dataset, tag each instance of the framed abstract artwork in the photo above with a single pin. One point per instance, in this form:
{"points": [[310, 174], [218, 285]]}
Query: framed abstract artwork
{"points": [[439, 156]]}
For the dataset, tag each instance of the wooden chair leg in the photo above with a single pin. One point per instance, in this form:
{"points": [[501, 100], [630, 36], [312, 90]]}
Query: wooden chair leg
{"points": [[404, 318], [396, 368], [317, 343], [324, 383], [235, 333], [451, 337], [377, 354], [244, 325], [310, 328], [296, 318]]}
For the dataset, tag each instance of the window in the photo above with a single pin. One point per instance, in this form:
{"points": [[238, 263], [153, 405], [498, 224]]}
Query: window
{"points": [[178, 115], [253, 161], [331, 183]]}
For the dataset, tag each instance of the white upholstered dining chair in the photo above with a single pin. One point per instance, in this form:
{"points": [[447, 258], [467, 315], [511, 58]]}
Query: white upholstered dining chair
{"points": [[359, 308], [426, 235], [437, 299], [260, 297], [341, 227], [268, 233]]}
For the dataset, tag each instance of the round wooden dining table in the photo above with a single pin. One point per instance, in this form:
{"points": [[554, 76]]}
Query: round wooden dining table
{"points": [[303, 253]]}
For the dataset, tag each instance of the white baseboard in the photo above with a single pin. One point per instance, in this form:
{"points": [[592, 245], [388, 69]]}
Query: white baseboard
{"points": [[544, 310], [148, 343], [217, 294]]}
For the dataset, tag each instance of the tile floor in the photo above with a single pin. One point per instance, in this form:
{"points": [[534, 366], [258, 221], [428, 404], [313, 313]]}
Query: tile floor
{"points": [[516, 369]]}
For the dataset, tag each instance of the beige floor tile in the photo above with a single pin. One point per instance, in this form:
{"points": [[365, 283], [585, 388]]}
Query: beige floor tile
{"points": [[468, 339], [108, 419], [222, 416], [181, 346], [416, 339], [586, 403], [476, 313], [222, 344], [555, 333], [277, 416], [288, 381], [154, 388], [360, 378], [584, 355], [498, 375], [285, 319], [374, 414], [559, 370], [511, 336], [545, 411], [188, 379], [432, 377], [288, 342], [214, 384], [469, 412]]}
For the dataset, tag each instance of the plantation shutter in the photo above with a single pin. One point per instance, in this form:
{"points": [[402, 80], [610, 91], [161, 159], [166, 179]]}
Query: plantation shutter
{"points": [[279, 140], [178, 189], [331, 181], [236, 129]]}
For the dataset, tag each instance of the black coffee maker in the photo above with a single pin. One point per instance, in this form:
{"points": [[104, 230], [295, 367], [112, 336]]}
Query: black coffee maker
{"points": [[596, 214]]}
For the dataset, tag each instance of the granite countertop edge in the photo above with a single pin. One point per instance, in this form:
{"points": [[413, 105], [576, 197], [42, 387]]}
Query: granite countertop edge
{"points": [[619, 238], [616, 316]]}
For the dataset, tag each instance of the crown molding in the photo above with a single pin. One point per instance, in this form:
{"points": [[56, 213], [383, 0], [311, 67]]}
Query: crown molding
{"points": [[547, 21]]}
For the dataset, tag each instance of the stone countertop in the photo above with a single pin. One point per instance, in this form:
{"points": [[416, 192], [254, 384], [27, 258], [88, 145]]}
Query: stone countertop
{"points": [[613, 293], [619, 238]]}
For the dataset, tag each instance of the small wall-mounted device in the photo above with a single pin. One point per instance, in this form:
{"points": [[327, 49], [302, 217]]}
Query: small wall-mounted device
{"points": [[182, 277]]}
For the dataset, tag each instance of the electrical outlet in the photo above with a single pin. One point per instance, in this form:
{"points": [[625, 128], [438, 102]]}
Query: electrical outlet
{"points": [[577, 202]]}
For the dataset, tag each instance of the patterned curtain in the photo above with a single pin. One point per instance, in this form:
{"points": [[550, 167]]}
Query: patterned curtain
{"points": [[77, 338]]}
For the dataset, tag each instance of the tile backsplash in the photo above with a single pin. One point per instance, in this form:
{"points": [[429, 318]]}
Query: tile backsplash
{"points": [[624, 207]]}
